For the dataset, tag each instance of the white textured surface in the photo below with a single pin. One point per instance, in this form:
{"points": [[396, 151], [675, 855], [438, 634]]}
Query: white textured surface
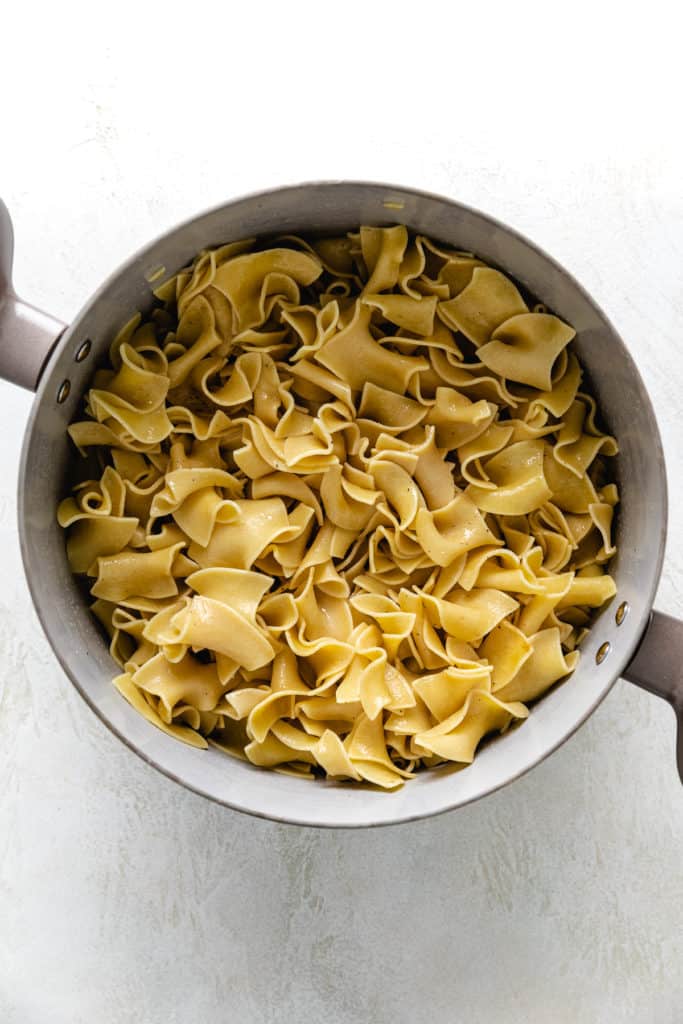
{"points": [[124, 898]]}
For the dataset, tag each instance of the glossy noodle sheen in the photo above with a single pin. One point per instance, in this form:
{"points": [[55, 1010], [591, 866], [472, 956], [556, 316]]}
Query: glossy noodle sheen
{"points": [[347, 509]]}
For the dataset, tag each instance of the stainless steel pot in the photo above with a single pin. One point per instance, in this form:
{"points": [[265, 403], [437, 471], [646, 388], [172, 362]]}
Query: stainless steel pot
{"points": [[628, 638]]}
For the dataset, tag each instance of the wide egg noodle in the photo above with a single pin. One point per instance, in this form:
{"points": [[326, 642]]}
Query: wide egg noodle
{"points": [[351, 511]]}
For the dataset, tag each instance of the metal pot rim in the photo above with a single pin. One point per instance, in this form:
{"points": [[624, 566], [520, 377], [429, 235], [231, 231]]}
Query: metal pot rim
{"points": [[393, 808]]}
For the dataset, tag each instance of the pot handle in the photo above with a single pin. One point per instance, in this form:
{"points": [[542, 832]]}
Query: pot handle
{"points": [[27, 335], [658, 668]]}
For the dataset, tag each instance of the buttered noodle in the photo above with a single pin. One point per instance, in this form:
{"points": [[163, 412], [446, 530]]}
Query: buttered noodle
{"points": [[352, 510]]}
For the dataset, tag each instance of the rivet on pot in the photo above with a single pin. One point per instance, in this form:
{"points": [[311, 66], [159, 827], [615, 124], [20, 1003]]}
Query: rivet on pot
{"points": [[603, 651], [84, 351], [64, 390], [622, 611]]}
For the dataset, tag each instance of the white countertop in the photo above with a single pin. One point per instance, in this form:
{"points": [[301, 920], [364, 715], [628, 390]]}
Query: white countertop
{"points": [[125, 898]]}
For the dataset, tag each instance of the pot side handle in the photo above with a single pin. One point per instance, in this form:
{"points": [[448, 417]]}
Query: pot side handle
{"points": [[658, 668], [27, 335]]}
